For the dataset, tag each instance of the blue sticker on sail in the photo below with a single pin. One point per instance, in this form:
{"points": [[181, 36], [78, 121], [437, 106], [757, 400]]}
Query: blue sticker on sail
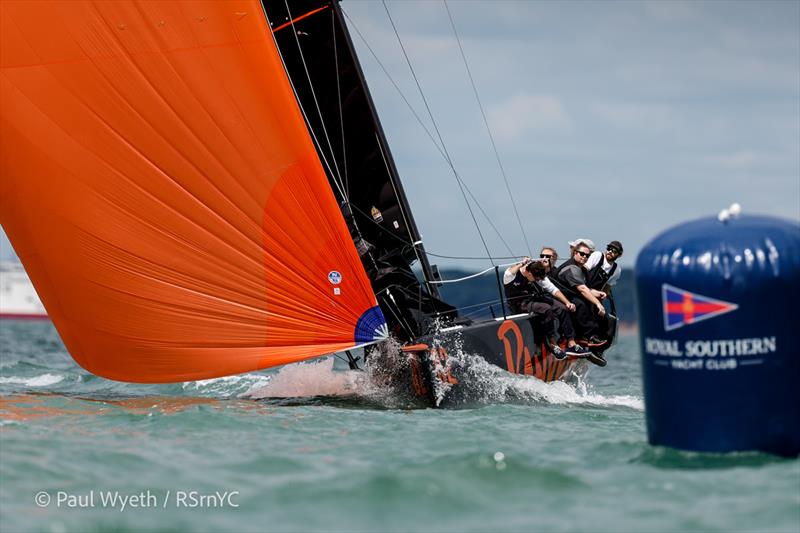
{"points": [[371, 326], [334, 277]]}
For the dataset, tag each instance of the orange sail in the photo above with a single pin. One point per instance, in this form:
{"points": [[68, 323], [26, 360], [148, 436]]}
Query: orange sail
{"points": [[162, 190]]}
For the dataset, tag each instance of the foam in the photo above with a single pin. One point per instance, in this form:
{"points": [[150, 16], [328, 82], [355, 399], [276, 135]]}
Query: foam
{"points": [[487, 383], [36, 381], [307, 379], [480, 383], [227, 385]]}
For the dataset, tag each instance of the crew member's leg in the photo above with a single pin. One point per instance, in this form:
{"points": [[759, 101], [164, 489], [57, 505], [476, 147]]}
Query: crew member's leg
{"points": [[544, 324], [584, 319], [565, 322], [541, 318]]}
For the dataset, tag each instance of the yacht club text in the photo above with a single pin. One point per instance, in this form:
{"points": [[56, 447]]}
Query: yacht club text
{"points": [[717, 354]]}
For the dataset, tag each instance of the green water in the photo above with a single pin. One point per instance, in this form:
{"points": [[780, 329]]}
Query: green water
{"points": [[334, 455]]}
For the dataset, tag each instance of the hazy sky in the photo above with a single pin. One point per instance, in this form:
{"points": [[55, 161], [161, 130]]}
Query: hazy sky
{"points": [[614, 120]]}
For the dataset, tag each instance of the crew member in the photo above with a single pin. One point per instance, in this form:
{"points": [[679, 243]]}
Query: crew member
{"points": [[589, 313], [524, 295], [562, 307], [603, 270]]}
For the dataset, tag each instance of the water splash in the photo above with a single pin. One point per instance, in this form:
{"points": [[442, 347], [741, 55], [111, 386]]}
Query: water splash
{"points": [[483, 383], [385, 382], [307, 379], [226, 386], [32, 381]]}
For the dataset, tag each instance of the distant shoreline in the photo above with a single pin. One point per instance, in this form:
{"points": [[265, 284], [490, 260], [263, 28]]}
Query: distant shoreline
{"points": [[628, 329]]}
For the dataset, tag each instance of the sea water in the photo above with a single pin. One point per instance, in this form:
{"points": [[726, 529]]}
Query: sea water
{"points": [[307, 448]]}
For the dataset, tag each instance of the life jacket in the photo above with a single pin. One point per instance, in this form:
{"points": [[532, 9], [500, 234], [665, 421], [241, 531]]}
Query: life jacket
{"points": [[561, 283], [521, 291], [596, 278]]}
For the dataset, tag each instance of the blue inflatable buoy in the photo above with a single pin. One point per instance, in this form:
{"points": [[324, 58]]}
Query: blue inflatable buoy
{"points": [[719, 317]]}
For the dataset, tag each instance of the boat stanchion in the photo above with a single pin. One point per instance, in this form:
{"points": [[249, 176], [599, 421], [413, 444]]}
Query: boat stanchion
{"points": [[500, 290]]}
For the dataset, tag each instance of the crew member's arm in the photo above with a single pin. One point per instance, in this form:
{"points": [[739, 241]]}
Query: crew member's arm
{"points": [[511, 272], [600, 295], [563, 299], [586, 292], [550, 287]]}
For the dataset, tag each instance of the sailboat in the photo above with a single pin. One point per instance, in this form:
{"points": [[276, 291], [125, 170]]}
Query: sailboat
{"points": [[200, 189]]}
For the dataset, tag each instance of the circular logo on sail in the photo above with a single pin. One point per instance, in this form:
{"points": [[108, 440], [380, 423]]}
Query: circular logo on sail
{"points": [[335, 277]]}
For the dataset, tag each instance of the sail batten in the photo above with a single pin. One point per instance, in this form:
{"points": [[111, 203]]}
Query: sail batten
{"points": [[163, 192]]}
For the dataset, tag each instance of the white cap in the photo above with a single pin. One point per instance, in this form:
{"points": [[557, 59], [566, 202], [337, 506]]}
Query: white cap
{"points": [[587, 242]]}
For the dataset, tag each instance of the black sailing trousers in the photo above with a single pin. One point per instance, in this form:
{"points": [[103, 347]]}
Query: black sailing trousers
{"points": [[561, 314], [587, 320]]}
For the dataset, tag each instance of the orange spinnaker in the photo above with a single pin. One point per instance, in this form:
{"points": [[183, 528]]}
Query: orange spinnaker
{"points": [[161, 188]]}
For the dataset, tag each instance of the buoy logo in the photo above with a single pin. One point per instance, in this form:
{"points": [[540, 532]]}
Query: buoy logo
{"points": [[682, 308]]}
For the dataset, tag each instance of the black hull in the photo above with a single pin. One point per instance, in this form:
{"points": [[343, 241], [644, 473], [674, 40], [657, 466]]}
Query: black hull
{"points": [[436, 362]]}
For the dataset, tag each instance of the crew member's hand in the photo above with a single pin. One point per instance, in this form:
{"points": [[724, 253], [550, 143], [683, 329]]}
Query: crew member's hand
{"points": [[571, 307], [601, 310], [600, 295]]}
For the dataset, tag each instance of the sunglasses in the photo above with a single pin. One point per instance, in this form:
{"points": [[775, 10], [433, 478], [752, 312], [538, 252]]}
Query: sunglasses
{"points": [[612, 249], [582, 254], [545, 256]]}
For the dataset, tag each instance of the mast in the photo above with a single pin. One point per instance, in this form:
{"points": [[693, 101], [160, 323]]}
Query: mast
{"points": [[319, 57], [394, 174]]}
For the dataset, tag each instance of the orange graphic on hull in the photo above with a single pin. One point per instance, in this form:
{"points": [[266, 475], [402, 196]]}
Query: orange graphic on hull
{"points": [[513, 364], [543, 366]]}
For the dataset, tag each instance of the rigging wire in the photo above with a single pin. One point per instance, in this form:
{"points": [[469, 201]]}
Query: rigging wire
{"points": [[339, 96], [482, 272], [400, 205], [316, 102], [427, 131], [305, 116], [410, 244], [438, 133], [486, 123]]}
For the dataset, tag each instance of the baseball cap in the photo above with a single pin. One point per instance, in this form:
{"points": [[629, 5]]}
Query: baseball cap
{"points": [[617, 245], [587, 242]]}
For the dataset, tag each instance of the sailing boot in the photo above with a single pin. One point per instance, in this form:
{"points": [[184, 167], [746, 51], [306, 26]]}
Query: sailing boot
{"points": [[578, 351], [557, 352], [597, 358], [596, 342]]}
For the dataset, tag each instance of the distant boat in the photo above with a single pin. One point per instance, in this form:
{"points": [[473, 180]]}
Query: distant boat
{"points": [[214, 194], [18, 298]]}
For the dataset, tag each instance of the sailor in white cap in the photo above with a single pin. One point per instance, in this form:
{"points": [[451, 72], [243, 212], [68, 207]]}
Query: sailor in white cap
{"points": [[576, 242]]}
